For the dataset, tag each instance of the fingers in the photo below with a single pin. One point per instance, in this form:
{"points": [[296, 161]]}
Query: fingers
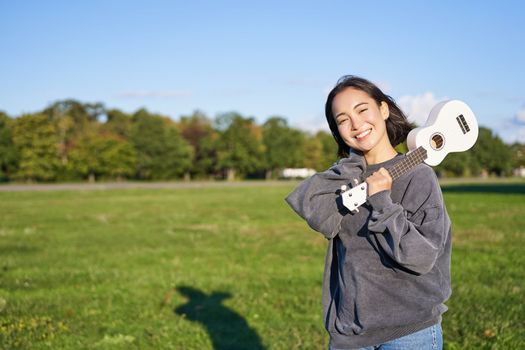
{"points": [[385, 173], [379, 181]]}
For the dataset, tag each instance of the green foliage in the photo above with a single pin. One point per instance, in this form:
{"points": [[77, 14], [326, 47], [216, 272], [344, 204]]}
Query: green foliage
{"points": [[80, 113], [457, 164], [518, 155], [328, 149], [8, 152], [284, 146], [320, 151], [70, 140], [491, 154], [240, 148], [36, 140], [162, 153], [132, 269], [198, 131], [313, 154], [119, 123], [103, 155], [402, 147]]}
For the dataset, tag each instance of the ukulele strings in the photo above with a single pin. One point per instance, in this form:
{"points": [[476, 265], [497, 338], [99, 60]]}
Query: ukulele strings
{"points": [[411, 160]]}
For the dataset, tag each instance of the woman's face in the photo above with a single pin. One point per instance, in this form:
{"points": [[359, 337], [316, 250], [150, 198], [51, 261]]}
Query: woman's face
{"points": [[360, 121]]}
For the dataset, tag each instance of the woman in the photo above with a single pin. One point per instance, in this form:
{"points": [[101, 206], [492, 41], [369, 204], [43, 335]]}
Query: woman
{"points": [[387, 271]]}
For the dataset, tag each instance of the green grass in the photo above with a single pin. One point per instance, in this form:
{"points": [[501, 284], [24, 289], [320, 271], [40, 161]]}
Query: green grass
{"points": [[206, 269]]}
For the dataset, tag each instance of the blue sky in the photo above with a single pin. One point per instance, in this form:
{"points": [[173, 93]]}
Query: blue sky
{"points": [[264, 58]]}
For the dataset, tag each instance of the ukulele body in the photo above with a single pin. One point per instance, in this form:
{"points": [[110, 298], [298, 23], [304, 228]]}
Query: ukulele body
{"points": [[450, 127]]}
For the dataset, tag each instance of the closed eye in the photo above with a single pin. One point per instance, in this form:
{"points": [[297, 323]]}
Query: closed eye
{"points": [[341, 121], [363, 110]]}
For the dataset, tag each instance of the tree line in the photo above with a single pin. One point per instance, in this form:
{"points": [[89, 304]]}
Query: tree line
{"points": [[70, 141]]}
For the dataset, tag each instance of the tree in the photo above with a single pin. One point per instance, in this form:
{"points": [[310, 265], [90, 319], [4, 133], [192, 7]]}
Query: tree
{"points": [[36, 140], [456, 164], [518, 155], [162, 153], [118, 123], [99, 154], [198, 131], [8, 152], [72, 118], [328, 149], [283, 146], [491, 154], [81, 113], [240, 147], [313, 153]]}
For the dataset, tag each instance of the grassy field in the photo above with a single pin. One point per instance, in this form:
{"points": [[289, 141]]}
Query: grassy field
{"points": [[210, 268]]}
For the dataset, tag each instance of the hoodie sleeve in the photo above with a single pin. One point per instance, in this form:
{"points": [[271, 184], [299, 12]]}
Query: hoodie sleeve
{"points": [[317, 199], [412, 236]]}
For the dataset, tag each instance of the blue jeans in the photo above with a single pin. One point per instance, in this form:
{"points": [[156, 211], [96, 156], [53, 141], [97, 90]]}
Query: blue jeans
{"points": [[430, 338]]}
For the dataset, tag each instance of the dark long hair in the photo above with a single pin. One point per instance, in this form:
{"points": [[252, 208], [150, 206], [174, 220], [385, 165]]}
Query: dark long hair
{"points": [[397, 125]]}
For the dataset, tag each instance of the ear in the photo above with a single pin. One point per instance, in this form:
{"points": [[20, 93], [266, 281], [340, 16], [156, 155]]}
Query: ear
{"points": [[385, 111]]}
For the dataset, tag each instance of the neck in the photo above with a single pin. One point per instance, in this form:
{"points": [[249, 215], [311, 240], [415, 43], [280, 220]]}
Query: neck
{"points": [[379, 157], [411, 160]]}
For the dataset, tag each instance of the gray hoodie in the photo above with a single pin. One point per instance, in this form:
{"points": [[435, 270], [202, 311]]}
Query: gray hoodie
{"points": [[387, 271]]}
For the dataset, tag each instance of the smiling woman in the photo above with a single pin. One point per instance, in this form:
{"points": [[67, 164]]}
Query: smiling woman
{"points": [[387, 271]]}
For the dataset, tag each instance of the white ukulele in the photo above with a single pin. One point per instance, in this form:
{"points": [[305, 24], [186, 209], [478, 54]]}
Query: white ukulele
{"points": [[450, 127]]}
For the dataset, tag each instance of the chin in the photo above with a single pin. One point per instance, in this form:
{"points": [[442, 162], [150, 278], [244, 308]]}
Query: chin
{"points": [[362, 148]]}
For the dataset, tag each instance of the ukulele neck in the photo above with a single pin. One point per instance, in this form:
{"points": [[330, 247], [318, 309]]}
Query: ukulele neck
{"points": [[411, 160]]}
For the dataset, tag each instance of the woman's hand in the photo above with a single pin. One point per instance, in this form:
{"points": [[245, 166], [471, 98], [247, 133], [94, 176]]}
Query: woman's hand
{"points": [[379, 181]]}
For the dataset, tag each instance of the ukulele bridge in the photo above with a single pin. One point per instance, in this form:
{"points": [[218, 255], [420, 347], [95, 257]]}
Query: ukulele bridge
{"points": [[462, 123]]}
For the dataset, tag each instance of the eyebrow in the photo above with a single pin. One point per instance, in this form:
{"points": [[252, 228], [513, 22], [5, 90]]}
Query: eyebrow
{"points": [[357, 105]]}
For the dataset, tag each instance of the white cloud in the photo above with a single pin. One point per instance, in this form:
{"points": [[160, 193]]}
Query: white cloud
{"points": [[520, 115], [417, 108], [155, 94]]}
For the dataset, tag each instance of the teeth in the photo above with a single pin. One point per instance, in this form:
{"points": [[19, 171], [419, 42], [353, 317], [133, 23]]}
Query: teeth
{"points": [[363, 134]]}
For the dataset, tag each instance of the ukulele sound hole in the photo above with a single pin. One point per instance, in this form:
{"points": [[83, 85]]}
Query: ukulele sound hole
{"points": [[437, 141]]}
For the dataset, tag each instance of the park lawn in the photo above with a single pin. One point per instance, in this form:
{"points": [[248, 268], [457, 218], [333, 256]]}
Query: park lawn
{"points": [[224, 268]]}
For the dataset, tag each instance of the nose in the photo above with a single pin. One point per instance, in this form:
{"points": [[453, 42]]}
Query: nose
{"points": [[357, 122]]}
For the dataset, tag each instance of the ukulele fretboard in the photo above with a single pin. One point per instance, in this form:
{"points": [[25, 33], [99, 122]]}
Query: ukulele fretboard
{"points": [[409, 162]]}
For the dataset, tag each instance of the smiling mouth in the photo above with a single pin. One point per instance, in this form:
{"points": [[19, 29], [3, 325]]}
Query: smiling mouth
{"points": [[363, 134]]}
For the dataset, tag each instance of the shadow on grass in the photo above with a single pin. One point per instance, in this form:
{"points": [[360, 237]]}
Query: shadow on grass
{"points": [[485, 188], [226, 328]]}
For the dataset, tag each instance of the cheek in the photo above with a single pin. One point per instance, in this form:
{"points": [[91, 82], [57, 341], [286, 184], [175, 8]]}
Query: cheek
{"points": [[371, 117], [376, 120], [343, 129], [382, 124]]}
